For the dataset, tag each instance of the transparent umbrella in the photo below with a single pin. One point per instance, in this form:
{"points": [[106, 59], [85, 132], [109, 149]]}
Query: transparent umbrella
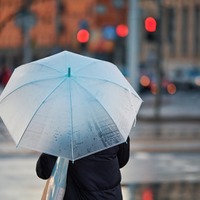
{"points": [[68, 105]]}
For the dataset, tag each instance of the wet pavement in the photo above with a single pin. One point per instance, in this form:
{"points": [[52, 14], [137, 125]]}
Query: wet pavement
{"points": [[18, 178], [164, 156], [183, 106], [145, 167]]}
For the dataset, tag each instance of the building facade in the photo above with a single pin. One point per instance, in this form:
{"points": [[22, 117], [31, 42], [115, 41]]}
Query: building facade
{"points": [[180, 34], [57, 23]]}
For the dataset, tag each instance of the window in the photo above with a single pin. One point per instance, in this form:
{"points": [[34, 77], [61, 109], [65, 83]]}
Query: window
{"points": [[196, 37], [184, 31], [171, 28]]}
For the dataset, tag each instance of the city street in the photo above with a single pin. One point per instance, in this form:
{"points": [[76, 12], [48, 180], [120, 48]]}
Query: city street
{"points": [[182, 106], [156, 46], [18, 178], [164, 152], [145, 167]]}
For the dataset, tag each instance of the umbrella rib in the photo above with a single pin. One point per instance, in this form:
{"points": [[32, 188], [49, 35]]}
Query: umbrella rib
{"points": [[70, 100], [28, 84], [83, 67], [46, 66], [39, 108], [87, 77], [96, 100]]}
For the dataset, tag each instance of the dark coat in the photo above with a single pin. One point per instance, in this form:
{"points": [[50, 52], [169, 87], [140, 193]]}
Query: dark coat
{"points": [[95, 177]]}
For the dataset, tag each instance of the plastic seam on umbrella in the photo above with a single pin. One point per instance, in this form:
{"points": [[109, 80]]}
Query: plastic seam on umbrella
{"points": [[46, 66], [135, 113], [134, 93], [83, 67], [28, 84], [99, 104], [70, 100], [39, 108]]}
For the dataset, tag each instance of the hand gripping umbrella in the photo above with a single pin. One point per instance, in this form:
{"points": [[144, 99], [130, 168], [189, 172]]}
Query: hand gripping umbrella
{"points": [[68, 105]]}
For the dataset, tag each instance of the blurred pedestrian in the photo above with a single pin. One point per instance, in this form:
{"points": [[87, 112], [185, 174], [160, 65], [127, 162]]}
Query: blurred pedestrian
{"points": [[96, 176], [5, 75]]}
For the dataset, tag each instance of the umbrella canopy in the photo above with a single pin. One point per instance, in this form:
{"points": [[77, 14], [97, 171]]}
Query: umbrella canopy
{"points": [[68, 105]]}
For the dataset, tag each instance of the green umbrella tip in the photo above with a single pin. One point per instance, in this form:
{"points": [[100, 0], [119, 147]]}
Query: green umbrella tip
{"points": [[69, 71]]}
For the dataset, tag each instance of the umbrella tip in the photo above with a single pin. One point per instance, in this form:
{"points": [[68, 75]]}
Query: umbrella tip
{"points": [[69, 71]]}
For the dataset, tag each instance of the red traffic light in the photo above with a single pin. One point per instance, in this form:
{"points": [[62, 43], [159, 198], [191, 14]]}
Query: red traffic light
{"points": [[150, 24], [83, 36], [122, 30]]}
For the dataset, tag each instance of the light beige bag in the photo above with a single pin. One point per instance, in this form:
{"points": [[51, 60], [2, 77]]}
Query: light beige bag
{"points": [[44, 194], [56, 184]]}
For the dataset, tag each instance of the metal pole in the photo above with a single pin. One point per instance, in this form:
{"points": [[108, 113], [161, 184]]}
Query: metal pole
{"points": [[133, 44], [58, 24], [158, 100], [25, 20], [27, 50]]}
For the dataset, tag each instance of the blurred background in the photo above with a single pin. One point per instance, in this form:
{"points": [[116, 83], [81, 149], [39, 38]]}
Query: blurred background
{"points": [[156, 45]]}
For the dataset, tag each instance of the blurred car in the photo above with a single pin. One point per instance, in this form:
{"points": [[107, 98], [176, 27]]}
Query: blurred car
{"points": [[186, 78], [148, 83]]}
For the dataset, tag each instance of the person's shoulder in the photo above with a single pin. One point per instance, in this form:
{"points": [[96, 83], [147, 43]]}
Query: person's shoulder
{"points": [[109, 151]]}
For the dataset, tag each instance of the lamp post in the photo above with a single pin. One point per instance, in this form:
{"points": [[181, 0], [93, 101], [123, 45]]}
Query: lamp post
{"points": [[133, 43], [159, 72], [25, 19]]}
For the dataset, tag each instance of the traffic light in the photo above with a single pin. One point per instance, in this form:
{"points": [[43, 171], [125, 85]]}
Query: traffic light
{"points": [[122, 30], [150, 25], [83, 37]]}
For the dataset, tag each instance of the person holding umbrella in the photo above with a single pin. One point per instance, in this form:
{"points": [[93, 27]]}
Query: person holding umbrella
{"points": [[93, 177], [75, 108]]}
